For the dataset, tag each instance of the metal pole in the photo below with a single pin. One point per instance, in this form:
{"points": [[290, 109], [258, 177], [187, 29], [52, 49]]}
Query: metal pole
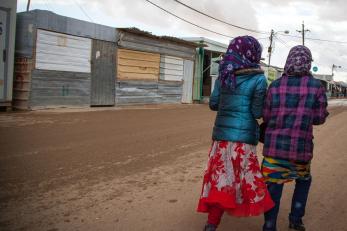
{"points": [[270, 47], [303, 33], [270, 51], [28, 5]]}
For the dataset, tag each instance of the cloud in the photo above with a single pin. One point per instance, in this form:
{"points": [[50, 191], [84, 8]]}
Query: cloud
{"points": [[326, 19], [144, 13]]}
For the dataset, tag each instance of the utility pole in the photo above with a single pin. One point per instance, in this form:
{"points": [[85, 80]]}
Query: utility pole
{"points": [[332, 69], [270, 47], [28, 5], [303, 31]]}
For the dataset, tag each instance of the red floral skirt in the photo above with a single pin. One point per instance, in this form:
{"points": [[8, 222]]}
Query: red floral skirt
{"points": [[233, 181]]}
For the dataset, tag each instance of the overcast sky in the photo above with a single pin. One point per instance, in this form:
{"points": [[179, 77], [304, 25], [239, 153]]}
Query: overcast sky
{"points": [[326, 19]]}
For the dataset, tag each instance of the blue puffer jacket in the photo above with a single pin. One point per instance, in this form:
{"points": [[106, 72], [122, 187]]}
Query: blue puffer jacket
{"points": [[238, 109]]}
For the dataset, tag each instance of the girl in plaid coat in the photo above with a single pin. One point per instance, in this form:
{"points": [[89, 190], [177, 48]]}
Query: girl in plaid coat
{"points": [[294, 103]]}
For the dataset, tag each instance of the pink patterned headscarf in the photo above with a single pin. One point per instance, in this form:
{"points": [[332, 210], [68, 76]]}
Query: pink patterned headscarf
{"points": [[298, 61]]}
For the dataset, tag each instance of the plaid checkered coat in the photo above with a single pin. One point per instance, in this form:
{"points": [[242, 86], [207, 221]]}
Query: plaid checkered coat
{"points": [[292, 106]]}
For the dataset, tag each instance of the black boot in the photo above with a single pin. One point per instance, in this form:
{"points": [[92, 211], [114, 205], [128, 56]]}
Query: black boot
{"points": [[210, 227], [300, 226]]}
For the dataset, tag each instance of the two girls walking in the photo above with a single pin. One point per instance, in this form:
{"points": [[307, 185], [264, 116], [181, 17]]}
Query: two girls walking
{"points": [[234, 182]]}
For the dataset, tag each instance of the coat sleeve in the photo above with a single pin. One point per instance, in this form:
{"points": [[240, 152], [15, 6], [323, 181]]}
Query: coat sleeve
{"points": [[259, 98], [320, 112], [214, 98]]}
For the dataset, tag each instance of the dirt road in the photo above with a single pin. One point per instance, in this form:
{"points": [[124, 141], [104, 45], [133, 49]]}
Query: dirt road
{"points": [[138, 169]]}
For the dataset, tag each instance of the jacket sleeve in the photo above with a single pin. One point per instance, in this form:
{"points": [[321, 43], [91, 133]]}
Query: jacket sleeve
{"points": [[258, 98], [214, 98], [320, 112]]}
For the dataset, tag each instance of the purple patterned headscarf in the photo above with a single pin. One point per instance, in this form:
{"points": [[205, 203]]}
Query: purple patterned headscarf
{"points": [[298, 61], [243, 52]]}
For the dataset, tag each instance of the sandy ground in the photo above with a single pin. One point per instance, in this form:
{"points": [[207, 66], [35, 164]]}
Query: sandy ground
{"points": [[139, 169]]}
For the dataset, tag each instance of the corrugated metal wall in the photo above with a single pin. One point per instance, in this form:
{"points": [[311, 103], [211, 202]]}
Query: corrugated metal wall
{"points": [[135, 65], [138, 80], [62, 71], [148, 92], [160, 46], [171, 68], [162, 85], [60, 48], [59, 88], [61, 52], [28, 22]]}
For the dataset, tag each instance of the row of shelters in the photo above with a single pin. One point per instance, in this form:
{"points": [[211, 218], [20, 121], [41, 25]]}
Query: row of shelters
{"points": [[61, 61]]}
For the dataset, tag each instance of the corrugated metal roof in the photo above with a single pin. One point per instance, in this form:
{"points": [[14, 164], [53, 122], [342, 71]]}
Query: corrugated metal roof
{"points": [[51, 21], [323, 77], [209, 44], [137, 31], [263, 64], [341, 83]]}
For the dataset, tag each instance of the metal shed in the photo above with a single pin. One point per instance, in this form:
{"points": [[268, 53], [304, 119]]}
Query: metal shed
{"points": [[206, 67], [8, 10], [62, 61], [271, 72], [327, 82], [153, 69]]}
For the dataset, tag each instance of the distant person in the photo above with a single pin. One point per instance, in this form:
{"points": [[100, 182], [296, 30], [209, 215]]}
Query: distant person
{"points": [[294, 103], [233, 182]]}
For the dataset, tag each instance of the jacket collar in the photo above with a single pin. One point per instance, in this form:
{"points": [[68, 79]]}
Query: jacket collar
{"points": [[249, 71]]}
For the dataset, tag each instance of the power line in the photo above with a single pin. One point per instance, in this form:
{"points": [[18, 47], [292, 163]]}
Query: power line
{"points": [[48, 6], [185, 20], [83, 11], [282, 41], [314, 39], [262, 38], [219, 20], [326, 40], [252, 30]]}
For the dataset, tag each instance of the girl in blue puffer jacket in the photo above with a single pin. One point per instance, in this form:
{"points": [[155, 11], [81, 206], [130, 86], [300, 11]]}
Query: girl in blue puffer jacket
{"points": [[233, 181]]}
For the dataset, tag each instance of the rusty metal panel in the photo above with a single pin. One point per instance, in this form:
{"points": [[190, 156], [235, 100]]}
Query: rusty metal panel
{"points": [[22, 83], [103, 71]]}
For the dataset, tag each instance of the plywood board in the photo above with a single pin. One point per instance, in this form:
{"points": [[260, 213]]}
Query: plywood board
{"points": [[135, 65]]}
